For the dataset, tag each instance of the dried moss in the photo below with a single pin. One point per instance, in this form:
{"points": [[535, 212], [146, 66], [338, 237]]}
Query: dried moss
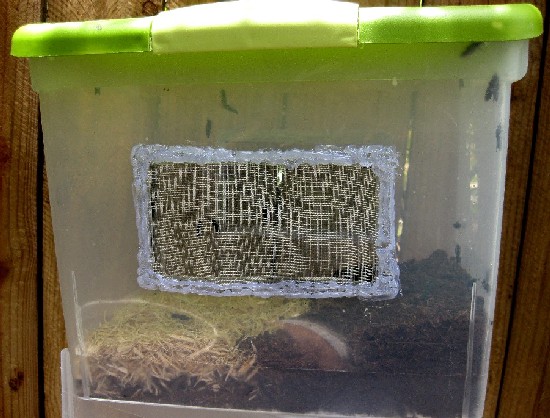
{"points": [[161, 336]]}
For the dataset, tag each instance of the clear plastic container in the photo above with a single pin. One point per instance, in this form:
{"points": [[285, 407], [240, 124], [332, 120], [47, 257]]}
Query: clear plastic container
{"points": [[423, 86]]}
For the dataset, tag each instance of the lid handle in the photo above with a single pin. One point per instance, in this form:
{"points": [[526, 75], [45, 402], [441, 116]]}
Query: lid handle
{"points": [[255, 24]]}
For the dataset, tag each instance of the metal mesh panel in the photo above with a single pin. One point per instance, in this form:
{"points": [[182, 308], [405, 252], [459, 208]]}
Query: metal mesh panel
{"points": [[242, 221], [295, 223]]}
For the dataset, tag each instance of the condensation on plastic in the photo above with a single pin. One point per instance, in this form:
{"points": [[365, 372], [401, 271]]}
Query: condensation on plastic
{"points": [[381, 159]]}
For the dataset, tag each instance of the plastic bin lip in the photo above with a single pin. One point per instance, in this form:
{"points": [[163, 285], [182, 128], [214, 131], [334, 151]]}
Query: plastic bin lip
{"points": [[249, 25]]}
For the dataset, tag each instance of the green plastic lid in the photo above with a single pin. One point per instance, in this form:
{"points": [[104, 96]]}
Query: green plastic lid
{"points": [[282, 24]]}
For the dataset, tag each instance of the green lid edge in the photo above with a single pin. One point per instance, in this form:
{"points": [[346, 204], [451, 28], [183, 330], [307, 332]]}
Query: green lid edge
{"points": [[83, 38], [375, 25], [508, 22]]}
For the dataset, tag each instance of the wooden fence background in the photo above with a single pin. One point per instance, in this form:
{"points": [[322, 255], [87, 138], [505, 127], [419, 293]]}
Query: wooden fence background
{"points": [[31, 321]]}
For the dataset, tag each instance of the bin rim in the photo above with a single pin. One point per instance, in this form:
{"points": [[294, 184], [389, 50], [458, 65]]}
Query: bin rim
{"points": [[249, 25]]}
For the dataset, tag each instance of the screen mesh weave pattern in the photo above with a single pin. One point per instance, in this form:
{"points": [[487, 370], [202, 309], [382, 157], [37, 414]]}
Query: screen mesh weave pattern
{"points": [[229, 222]]}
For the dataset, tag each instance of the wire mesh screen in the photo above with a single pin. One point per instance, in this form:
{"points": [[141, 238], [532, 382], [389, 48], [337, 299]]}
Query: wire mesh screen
{"points": [[232, 221], [243, 222]]}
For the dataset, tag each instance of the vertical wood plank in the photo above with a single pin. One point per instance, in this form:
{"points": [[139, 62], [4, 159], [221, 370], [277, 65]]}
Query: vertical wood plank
{"points": [[525, 389], [53, 322], [542, 408], [79, 10], [19, 360]]}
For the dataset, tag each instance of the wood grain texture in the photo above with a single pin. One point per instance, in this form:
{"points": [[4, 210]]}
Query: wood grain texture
{"points": [[19, 362], [542, 406], [54, 326], [79, 10], [525, 388]]}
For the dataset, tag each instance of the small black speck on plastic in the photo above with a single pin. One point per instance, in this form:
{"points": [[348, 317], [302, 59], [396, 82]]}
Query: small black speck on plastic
{"points": [[208, 128], [498, 131], [225, 104], [470, 49], [491, 93], [457, 254]]}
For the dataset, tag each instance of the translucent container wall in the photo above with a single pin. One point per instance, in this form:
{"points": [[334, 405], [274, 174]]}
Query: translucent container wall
{"points": [[445, 111]]}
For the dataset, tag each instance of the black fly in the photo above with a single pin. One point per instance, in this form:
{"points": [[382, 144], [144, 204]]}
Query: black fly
{"points": [[225, 105], [470, 49], [492, 89]]}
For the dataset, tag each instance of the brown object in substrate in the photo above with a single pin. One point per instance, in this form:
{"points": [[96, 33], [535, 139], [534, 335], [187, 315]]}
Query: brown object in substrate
{"points": [[317, 346]]}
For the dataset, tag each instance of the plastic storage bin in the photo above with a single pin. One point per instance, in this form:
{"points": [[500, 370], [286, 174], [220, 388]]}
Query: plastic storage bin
{"points": [[291, 207]]}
